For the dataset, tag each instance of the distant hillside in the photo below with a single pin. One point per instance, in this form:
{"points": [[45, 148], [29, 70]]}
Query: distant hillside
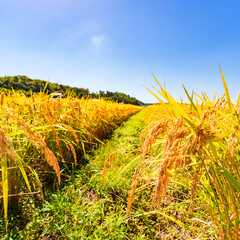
{"points": [[27, 85]]}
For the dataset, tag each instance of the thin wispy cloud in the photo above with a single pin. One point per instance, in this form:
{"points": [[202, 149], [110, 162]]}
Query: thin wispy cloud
{"points": [[83, 32], [97, 40]]}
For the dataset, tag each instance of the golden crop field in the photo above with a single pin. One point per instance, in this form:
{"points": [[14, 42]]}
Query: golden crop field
{"points": [[41, 135], [184, 173], [194, 147]]}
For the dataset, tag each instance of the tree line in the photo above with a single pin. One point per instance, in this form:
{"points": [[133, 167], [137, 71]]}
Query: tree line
{"points": [[28, 85]]}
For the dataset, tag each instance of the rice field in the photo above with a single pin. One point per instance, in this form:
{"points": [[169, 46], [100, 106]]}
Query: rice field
{"points": [[193, 147], [176, 178], [42, 137]]}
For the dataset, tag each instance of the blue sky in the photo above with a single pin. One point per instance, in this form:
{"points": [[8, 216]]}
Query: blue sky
{"points": [[115, 45]]}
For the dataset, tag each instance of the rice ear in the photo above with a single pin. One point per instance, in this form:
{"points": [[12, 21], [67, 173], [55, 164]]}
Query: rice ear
{"points": [[37, 140]]}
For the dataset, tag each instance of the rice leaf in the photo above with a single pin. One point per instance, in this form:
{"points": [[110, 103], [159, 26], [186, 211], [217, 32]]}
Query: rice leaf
{"points": [[206, 96], [177, 221], [231, 178], [204, 100], [45, 87], [149, 228], [159, 99], [198, 106], [5, 188], [235, 223], [190, 98], [38, 181], [177, 108], [238, 100], [19, 162], [226, 89], [215, 95]]}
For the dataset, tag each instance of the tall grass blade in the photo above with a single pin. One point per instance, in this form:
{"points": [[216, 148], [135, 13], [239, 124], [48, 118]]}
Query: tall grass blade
{"points": [[38, 180], [176, 106], [19, 162], [176, 221], [235, 223], [5, 188], [149, 228], [231, 178], [159, 99], [215, 96], [190, 98], [45, 87], [238, 100], [226, 89]]}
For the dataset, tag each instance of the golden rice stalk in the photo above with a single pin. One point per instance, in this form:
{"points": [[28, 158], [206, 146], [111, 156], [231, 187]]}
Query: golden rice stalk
{"points": [[6, 146], [72, 149], [135, 180], [152, 132], [72, 131], [177, 153], [172, 157], [37, 140], [2, 98], [107, 162], [4, 187], [180, 144], [7, 149]]}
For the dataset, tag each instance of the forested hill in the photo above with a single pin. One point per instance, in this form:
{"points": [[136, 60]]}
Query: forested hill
{"points": [[26, 85]]}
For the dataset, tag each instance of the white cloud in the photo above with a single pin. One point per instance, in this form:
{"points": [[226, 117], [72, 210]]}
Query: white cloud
{"points": [[97, 40]]}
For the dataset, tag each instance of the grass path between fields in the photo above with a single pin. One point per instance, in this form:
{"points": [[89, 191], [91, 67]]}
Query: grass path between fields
{"points": [[89, 208]]}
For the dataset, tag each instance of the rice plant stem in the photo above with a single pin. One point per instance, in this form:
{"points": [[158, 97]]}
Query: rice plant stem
{"points": [[148, 226], [21, 194]]}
